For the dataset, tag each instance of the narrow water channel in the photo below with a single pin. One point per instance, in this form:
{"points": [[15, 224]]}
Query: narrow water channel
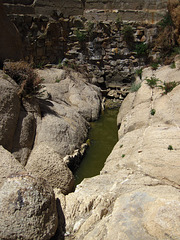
{"points": [[102, 138]]}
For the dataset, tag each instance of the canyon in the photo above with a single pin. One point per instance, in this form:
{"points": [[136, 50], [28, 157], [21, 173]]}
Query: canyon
{"points": [[86, 53]]}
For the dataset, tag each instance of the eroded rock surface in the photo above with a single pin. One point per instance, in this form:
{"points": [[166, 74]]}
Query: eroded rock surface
{"points": [[45, 162], [136, 196], [8, 165], [9, 110], [71, 88], [57, 121], [27, 209]]}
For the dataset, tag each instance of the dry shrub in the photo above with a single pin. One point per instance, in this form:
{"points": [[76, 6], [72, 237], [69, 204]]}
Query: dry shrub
{"points": [[24, 76]]}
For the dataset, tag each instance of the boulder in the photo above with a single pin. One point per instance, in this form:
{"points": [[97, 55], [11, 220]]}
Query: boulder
{"points": [[72, 88], [8, 165], [9, 110], [26, 130], [61, 128], [46, 163], [10, 41], [28, 209]]}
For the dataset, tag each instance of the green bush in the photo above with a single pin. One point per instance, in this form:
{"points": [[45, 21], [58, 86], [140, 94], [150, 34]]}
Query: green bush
{"points": [[154, 65], [135, 87], [81, 35], [118, 22], [166, 21], [153, 111], [141, 50], [90, 27], [128, 35], [24, 75], [175, 51], [57, 80], [173, 65], [139, 72], [168, 86], [152, 82], [170, 147]]}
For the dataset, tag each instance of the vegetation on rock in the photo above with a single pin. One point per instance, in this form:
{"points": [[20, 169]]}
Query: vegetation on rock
{"points": [[153, 111], [135, 87], [128, 35], [168, 86], [139, 72], [23, 74], [152, 81], [141, 50]]}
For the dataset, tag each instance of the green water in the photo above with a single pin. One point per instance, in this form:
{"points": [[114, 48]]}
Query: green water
{"points": [[103, 137]]}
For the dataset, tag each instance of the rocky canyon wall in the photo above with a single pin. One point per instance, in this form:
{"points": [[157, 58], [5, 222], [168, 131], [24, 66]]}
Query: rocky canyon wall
{"points": [[141, 10], [47, 37], [10, 42]]}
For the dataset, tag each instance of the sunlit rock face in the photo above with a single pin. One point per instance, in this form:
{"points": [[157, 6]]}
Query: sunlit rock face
{"points": [[136, 195]]}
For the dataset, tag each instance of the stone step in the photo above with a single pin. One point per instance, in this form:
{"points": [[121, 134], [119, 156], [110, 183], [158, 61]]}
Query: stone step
{"points": [[22, 2], [18, 9]]}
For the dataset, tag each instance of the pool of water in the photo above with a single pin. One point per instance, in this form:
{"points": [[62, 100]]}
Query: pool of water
{"points": [[103, 135]]}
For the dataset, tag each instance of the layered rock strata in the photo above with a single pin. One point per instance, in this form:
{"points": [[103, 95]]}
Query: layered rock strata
{"points": [[142, 10]]}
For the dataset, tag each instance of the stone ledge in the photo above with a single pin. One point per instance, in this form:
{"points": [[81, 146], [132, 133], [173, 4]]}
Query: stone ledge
{"points": [[18, 9], [130, 15]]}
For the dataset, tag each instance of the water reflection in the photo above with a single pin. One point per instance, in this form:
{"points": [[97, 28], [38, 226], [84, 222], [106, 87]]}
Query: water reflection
{"points": [[103, 137]]}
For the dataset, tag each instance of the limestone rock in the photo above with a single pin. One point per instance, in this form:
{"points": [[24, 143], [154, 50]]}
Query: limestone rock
{"points": [[61, 128], [73, 89], [121, 205], [136, 195], [10, 42], [9, 110], [46, 163], [26, 129], [67, 7], [28, 209], [8, 165]]}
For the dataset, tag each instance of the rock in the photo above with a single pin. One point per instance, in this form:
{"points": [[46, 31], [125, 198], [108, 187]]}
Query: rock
{"points": [[113, 94], [26, 129], [61, 128], [44, 162], [68, 8], [136, 195], [9, 110], [84, 97], [8, 165], [51, 75], [174, 10], [10, 41], [109, 206], [177, 61], [28, 209]]}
